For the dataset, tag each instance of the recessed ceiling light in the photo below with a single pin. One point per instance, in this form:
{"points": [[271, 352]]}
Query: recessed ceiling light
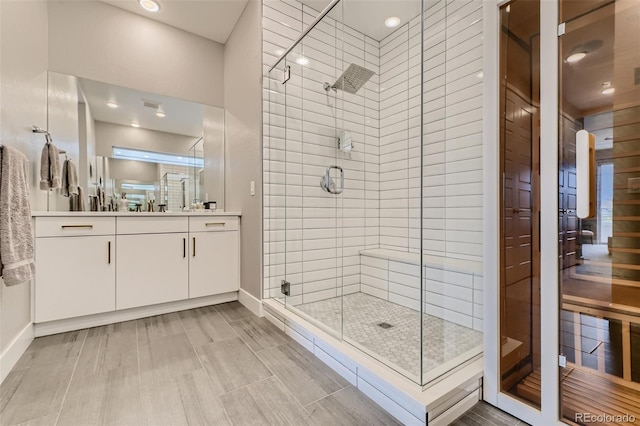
{"points": [[480, 74], [149, 5], [607, 88], [112, 104], [161, 114], [302, 61], [392, 22], [134, 124], [576, 57], [279, 52]]}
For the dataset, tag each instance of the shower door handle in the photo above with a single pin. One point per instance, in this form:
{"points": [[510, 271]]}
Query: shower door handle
{"points": [[326, 184]]}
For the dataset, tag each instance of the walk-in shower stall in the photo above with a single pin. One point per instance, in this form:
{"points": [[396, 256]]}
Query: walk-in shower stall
{"points": [[373, 176]]}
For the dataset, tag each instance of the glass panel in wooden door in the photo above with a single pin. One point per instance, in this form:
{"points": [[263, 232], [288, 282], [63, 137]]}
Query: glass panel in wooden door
{"points": [[600, 249]]}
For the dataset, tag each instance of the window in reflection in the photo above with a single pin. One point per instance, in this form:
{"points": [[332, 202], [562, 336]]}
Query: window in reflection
{"points": [[157, 157]]}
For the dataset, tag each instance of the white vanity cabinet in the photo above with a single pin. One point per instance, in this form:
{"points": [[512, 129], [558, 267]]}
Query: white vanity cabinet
{"points": [[75, 267], [98, 268], [214, 260], [153, 263]]}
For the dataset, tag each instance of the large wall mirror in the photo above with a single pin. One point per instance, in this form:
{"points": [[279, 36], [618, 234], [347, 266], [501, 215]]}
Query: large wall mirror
{"points": [[133, 150]]}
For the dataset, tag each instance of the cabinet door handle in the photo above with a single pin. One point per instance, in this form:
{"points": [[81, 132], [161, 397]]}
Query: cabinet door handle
{"points": [[109, 251], [76, 226], [215, 224], [184, 247], [194, 246]]}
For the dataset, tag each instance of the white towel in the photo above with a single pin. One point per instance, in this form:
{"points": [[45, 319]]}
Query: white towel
{"points": [[82, 206], [72, 178], [64, 181], [69, 181], [76, 201], [49, 168], [16, 233]]}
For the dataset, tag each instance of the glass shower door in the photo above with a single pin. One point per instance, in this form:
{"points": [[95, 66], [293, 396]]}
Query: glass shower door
{"points": [[275, 189], [316, 178]]}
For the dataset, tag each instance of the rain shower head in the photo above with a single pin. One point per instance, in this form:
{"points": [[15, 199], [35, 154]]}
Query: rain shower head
{"points": [[351, 80]]}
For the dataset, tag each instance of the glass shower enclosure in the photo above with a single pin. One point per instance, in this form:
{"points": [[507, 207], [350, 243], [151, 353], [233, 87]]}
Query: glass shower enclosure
{"points": [[373, 178]]}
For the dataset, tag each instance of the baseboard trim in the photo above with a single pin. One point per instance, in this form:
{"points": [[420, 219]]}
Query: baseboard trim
{"points": [[14, 351], [251, 302], [71, 324]]}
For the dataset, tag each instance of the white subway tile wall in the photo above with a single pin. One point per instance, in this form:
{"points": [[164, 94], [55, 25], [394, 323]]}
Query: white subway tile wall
{"points": [[452, 203], [314, 238], [171, 177], [311, 236]]}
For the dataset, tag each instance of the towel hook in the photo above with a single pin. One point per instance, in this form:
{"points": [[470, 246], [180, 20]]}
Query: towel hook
{"points": [[47, 135]]}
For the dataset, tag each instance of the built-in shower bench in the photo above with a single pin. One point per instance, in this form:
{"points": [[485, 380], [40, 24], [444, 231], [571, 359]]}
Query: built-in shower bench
{"points": [[452, 287]]}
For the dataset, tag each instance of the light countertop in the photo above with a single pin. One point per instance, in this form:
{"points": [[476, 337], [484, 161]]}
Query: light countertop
{"points": [[134, 214]]}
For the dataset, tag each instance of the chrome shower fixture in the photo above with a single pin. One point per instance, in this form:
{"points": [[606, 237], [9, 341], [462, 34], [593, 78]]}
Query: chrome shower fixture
{"points": [[344, 142], [351, 80], [328, 184]]}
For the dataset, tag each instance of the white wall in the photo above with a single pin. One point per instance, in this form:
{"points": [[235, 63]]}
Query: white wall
{"points": [[109, 135], [131, 170], [243, 144], [324, 232], [23, 84], [93, 40], [213, 143], [87, 126], [63, 125]]}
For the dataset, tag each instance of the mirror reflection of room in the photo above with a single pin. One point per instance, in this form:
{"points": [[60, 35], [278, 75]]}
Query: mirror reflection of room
{"points": [[135, 151]]}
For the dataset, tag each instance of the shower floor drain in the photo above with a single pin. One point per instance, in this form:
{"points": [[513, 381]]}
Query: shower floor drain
{"points": [[384, 325]]}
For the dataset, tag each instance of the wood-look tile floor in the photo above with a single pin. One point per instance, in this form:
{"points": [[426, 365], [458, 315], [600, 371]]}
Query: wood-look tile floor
{"points": [[217, 365], [483, 414]]}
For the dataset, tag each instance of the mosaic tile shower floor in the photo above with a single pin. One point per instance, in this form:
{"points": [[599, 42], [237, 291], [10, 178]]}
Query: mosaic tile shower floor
{"points": [[398, 345]]}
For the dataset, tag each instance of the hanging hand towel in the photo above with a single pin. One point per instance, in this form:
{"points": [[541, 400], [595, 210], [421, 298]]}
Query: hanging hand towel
{"points": [[82, 206], [49, 168], [72, 178], [64, 181], [16, 233]]}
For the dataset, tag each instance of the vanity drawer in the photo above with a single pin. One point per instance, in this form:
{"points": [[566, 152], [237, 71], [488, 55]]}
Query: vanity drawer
{"points": [[152, 225], [213, 223], [74, 226]]}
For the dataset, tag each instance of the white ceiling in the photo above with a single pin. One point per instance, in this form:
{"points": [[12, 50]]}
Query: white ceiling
{"points": [[212, 19], [182, 117], [368, 17]]}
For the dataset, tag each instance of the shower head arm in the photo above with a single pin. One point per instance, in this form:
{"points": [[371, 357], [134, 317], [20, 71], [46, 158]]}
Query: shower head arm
{"points": [[326, 86]]}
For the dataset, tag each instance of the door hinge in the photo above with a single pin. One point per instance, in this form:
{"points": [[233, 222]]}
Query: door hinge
{"points": [[561, 29], [562, 361], [286, 74], [285, 287]]}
